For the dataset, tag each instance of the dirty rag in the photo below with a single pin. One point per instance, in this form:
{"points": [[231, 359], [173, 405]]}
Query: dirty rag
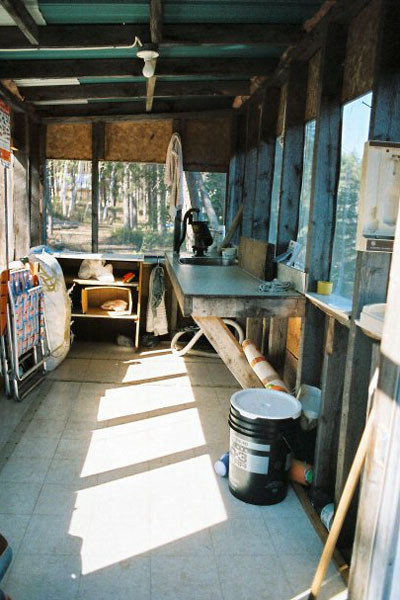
{"points": [[174, 174], [156, 321]]}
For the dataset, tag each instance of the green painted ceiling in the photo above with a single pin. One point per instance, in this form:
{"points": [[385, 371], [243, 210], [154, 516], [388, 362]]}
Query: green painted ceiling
{"points": [[179, 11]]}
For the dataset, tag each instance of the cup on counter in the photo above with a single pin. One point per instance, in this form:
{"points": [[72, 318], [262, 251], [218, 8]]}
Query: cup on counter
{"points": [[229, 253], [325, 288]]}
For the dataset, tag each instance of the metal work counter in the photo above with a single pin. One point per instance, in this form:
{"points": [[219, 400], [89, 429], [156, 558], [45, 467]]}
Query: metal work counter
{"points": [[228, 291]]}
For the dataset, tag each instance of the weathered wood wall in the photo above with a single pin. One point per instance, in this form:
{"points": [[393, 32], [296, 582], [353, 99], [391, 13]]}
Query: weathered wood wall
{"points": [[354, 55]]}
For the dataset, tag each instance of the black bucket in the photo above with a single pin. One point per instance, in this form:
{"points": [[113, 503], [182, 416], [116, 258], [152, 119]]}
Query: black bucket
{"points": [[261, 423]]}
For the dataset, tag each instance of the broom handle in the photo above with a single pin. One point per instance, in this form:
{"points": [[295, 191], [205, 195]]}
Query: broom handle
{"points": [[344, 503]]}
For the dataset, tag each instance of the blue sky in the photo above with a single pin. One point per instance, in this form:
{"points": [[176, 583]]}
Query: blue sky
{"points": [[356, 117]]}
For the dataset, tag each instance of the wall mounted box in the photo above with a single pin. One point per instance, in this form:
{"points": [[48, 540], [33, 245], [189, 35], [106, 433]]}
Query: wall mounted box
{"points": [[379, 193]]}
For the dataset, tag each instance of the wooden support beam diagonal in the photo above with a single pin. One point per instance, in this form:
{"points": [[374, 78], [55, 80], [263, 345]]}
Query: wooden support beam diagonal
{"points": [[21, 17], [151, 84]]}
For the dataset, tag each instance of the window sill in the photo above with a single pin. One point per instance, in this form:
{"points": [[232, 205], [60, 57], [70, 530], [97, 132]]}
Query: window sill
{"points": [[333, 305]]}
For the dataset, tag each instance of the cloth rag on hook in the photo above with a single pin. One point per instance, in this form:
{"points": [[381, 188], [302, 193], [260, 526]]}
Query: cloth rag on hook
{"points": [[156, 321], [174, 174]]}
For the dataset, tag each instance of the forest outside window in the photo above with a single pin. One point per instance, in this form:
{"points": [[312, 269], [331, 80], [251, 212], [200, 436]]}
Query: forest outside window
{"points": [[133, 210], [356, 117], [69, 205]]}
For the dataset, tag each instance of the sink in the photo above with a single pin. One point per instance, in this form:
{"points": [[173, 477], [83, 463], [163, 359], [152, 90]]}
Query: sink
{"points": [[211, 261]]}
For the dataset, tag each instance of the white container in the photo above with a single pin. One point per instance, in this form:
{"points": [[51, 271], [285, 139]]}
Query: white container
{"points": [[229, 253], [379, 193]]}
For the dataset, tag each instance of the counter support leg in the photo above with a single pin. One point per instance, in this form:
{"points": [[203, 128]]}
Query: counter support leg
{"points": [[229, 350]]}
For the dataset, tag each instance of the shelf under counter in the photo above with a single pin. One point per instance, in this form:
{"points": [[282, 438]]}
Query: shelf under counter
{"points": [[99, 313], [117, 282]]}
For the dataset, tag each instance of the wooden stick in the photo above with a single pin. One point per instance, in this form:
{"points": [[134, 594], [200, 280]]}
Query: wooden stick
{"points": [[233, 227], [344, 503]]}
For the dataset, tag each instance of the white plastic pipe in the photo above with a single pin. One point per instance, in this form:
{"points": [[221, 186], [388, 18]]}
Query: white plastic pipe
{"points": [[262, 368]]}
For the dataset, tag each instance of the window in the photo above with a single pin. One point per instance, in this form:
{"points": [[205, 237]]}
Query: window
{"points": [[133, 211], [305, 195], [69, 205], [356, 117], [276, 190]]}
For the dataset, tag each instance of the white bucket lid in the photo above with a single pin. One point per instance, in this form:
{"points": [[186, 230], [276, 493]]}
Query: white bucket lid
{"points": [[258, 403]]}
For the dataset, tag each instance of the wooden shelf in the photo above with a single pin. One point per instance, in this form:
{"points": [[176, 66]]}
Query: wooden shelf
{"points": [[332, 305], [117, 282], [99, 313]]}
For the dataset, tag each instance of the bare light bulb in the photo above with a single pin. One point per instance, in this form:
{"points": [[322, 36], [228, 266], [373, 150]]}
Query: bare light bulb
{"points": [[149, 68], [149, 54]]}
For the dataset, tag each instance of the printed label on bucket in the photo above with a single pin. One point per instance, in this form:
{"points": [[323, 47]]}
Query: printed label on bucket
{"points": [[242, 456]]}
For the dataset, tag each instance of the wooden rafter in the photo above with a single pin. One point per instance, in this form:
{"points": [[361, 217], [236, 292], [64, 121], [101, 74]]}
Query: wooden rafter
{"points": [[161, 105], [185, 34], [21, 17], [134, 90], [57, 69], [140, 116], [156, 29], [150, 88]]}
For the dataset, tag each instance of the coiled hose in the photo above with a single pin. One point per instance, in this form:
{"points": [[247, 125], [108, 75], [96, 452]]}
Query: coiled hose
{"points": [[198, 332]]}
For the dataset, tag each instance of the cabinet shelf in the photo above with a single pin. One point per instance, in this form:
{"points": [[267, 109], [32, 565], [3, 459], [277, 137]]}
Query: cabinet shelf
{"points": [[99, 313], [127, 322], [118, 282]]}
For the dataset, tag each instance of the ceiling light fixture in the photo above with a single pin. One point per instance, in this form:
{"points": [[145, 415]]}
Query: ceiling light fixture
{"points": [[149, 53]]}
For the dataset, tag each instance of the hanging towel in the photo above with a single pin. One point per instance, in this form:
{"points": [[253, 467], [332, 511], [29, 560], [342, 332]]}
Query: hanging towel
{"points": [[156, 314], [174, 174]]}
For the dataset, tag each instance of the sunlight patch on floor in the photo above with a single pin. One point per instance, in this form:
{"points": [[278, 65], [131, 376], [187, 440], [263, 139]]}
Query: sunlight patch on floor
{"points": [[124, 401], [132, 515], [141, 441]]}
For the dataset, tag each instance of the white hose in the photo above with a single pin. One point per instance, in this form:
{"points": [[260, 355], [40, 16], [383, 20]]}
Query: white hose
{"points": [[188, 348]]}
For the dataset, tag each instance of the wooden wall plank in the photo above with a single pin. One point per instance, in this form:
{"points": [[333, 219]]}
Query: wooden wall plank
{"points": [[292, 163], [277, 342], [98, 139], [329, 422], [265, 164], [35, 188], [373, 570], [372, 274], [236, 173], [385, 118], [326, 162], [253, 111], [361, 50], [314, 67]]}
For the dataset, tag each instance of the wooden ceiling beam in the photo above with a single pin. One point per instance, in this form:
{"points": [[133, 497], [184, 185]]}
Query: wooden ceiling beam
{"points": [[23, 20], [161, 105], [185, 34], [135, 90], [156, 31], [53, 69], [142, 116]]}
